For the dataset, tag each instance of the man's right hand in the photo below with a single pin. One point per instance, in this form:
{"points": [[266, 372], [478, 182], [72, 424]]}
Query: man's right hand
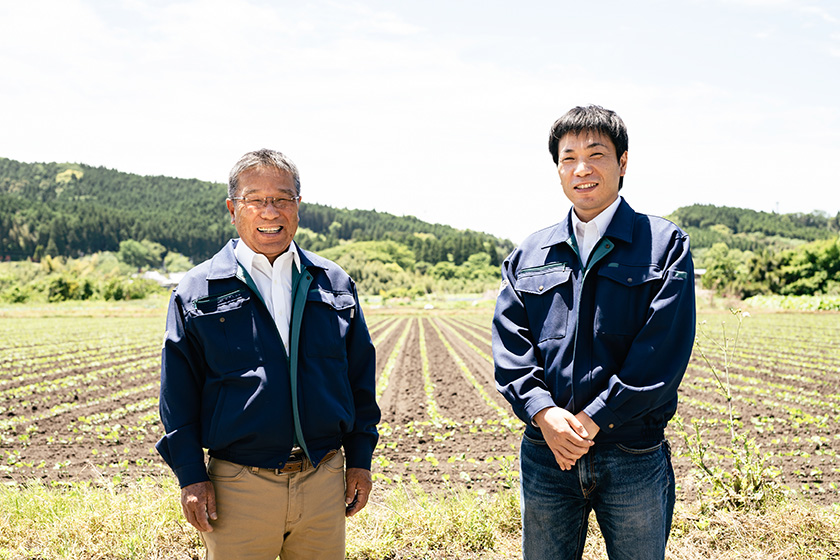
{"points": [[198, 501], [564, 434]]}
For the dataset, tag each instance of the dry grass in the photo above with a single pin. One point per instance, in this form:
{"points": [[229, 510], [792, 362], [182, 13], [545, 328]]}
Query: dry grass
{"points": [[790, 530], [143, 521], [407, 522], [84, 521]]}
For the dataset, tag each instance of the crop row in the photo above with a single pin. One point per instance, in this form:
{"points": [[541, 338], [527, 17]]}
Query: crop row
{"points": [[784, 376], [72, 396], [443, 420], [78, 396]]}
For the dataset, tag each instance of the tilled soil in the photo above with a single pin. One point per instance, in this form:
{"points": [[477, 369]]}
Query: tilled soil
{"points": [[438, 431], [468, 442]]}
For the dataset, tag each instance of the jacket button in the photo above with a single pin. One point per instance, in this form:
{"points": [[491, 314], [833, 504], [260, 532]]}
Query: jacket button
{"points": [[221, 319], [611, 426], [629, 279], [540, 289]]}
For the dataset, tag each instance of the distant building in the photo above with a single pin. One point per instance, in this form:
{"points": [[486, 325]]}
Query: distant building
{"points": [[168, 281]]}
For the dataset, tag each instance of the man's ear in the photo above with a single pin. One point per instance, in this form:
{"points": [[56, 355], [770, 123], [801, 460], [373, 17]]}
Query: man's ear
{"points": [[622, 163], [232, 209]]}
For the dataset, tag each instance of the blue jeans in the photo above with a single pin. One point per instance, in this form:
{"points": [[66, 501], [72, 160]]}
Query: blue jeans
{"points": [[630, 488]]}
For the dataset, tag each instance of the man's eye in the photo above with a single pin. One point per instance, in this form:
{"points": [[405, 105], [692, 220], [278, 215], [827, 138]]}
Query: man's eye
{"points": [[596, 155]]}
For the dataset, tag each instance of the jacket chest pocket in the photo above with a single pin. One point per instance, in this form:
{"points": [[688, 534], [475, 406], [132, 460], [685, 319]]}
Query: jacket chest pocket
{"points": [[547, 293], [326, 321], [624, 295], [226, 327]]}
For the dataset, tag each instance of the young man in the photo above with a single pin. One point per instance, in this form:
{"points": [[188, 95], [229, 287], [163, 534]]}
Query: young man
{"points": [[593, 330]]}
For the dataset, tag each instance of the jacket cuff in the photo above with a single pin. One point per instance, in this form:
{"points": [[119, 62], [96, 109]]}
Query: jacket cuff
{"points": [[537, 404], [191, 474], [358, 451], [601, 414]]}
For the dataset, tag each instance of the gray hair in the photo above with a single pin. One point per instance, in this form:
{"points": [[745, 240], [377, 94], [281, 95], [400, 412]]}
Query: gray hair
{"points": [[262, 158]]}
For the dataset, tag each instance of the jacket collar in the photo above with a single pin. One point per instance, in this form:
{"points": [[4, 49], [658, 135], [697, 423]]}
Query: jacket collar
{"points": [[224, 264], [620, 228]]}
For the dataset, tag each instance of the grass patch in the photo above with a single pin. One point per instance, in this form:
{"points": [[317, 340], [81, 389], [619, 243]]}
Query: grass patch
{"points": [[154, 305], [454, 523], [86, 521], [143, 521], [790, 530], [796, 303]]}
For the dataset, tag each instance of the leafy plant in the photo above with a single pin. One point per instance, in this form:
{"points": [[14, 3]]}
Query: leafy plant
{"points": [[748, 483]]}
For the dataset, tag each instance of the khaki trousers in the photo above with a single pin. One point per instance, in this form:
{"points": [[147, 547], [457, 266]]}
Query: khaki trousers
{"points": [[262, 514]]}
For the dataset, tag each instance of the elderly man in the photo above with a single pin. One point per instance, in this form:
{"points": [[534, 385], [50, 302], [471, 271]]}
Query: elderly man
{"points": [[592, 333], [268, 364]]}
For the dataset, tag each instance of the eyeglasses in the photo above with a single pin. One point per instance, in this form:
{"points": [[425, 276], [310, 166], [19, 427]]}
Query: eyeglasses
{"points": [[260, 203]]}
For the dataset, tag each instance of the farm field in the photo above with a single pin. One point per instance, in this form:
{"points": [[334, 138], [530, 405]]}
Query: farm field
{"points": [[78, 398]]}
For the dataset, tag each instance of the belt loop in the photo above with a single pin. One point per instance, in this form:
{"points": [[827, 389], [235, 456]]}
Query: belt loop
{"points": [[254, 470]]}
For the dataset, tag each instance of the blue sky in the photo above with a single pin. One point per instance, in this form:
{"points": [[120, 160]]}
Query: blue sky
{"points": [[436, 109]]}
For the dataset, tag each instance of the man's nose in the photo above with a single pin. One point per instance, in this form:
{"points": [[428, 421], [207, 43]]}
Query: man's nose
{"points": [[269, 211], [582, 168]]}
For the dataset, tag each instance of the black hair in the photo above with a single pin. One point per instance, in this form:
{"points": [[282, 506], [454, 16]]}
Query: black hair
{"points": [[589, 118]]}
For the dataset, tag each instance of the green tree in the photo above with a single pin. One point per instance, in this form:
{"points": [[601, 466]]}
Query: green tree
{"points": [[141, 254], [444, 270], [176, 262], [812, 269], [722, 266]]}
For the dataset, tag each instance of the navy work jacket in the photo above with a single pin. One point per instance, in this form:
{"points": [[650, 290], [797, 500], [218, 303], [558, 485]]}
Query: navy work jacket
{"points": [[612, 338], [227, 384]]}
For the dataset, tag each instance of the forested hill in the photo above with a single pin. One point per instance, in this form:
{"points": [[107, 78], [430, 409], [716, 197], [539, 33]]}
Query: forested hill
{"points": [[750, 230], [745, 253], [73, 209]]}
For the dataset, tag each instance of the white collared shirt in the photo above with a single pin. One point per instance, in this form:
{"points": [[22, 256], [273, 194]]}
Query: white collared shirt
{"points": [[273, 281], [587, 234]]}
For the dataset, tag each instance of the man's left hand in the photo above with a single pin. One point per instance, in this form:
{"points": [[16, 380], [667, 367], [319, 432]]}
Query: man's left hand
{"points": [[359, 484]]}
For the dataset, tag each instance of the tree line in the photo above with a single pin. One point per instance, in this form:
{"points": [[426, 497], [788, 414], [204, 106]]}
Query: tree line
{"points": [[745, 252], [70, 210], [61, 210], [750, 230]]}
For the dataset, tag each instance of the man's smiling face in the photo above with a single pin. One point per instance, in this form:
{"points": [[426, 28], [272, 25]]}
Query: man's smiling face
{"points": [[269, 230], [589, 171]]}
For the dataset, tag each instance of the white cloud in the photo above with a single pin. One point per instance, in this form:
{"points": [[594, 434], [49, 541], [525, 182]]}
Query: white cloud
{"points": [[820, 12]]}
